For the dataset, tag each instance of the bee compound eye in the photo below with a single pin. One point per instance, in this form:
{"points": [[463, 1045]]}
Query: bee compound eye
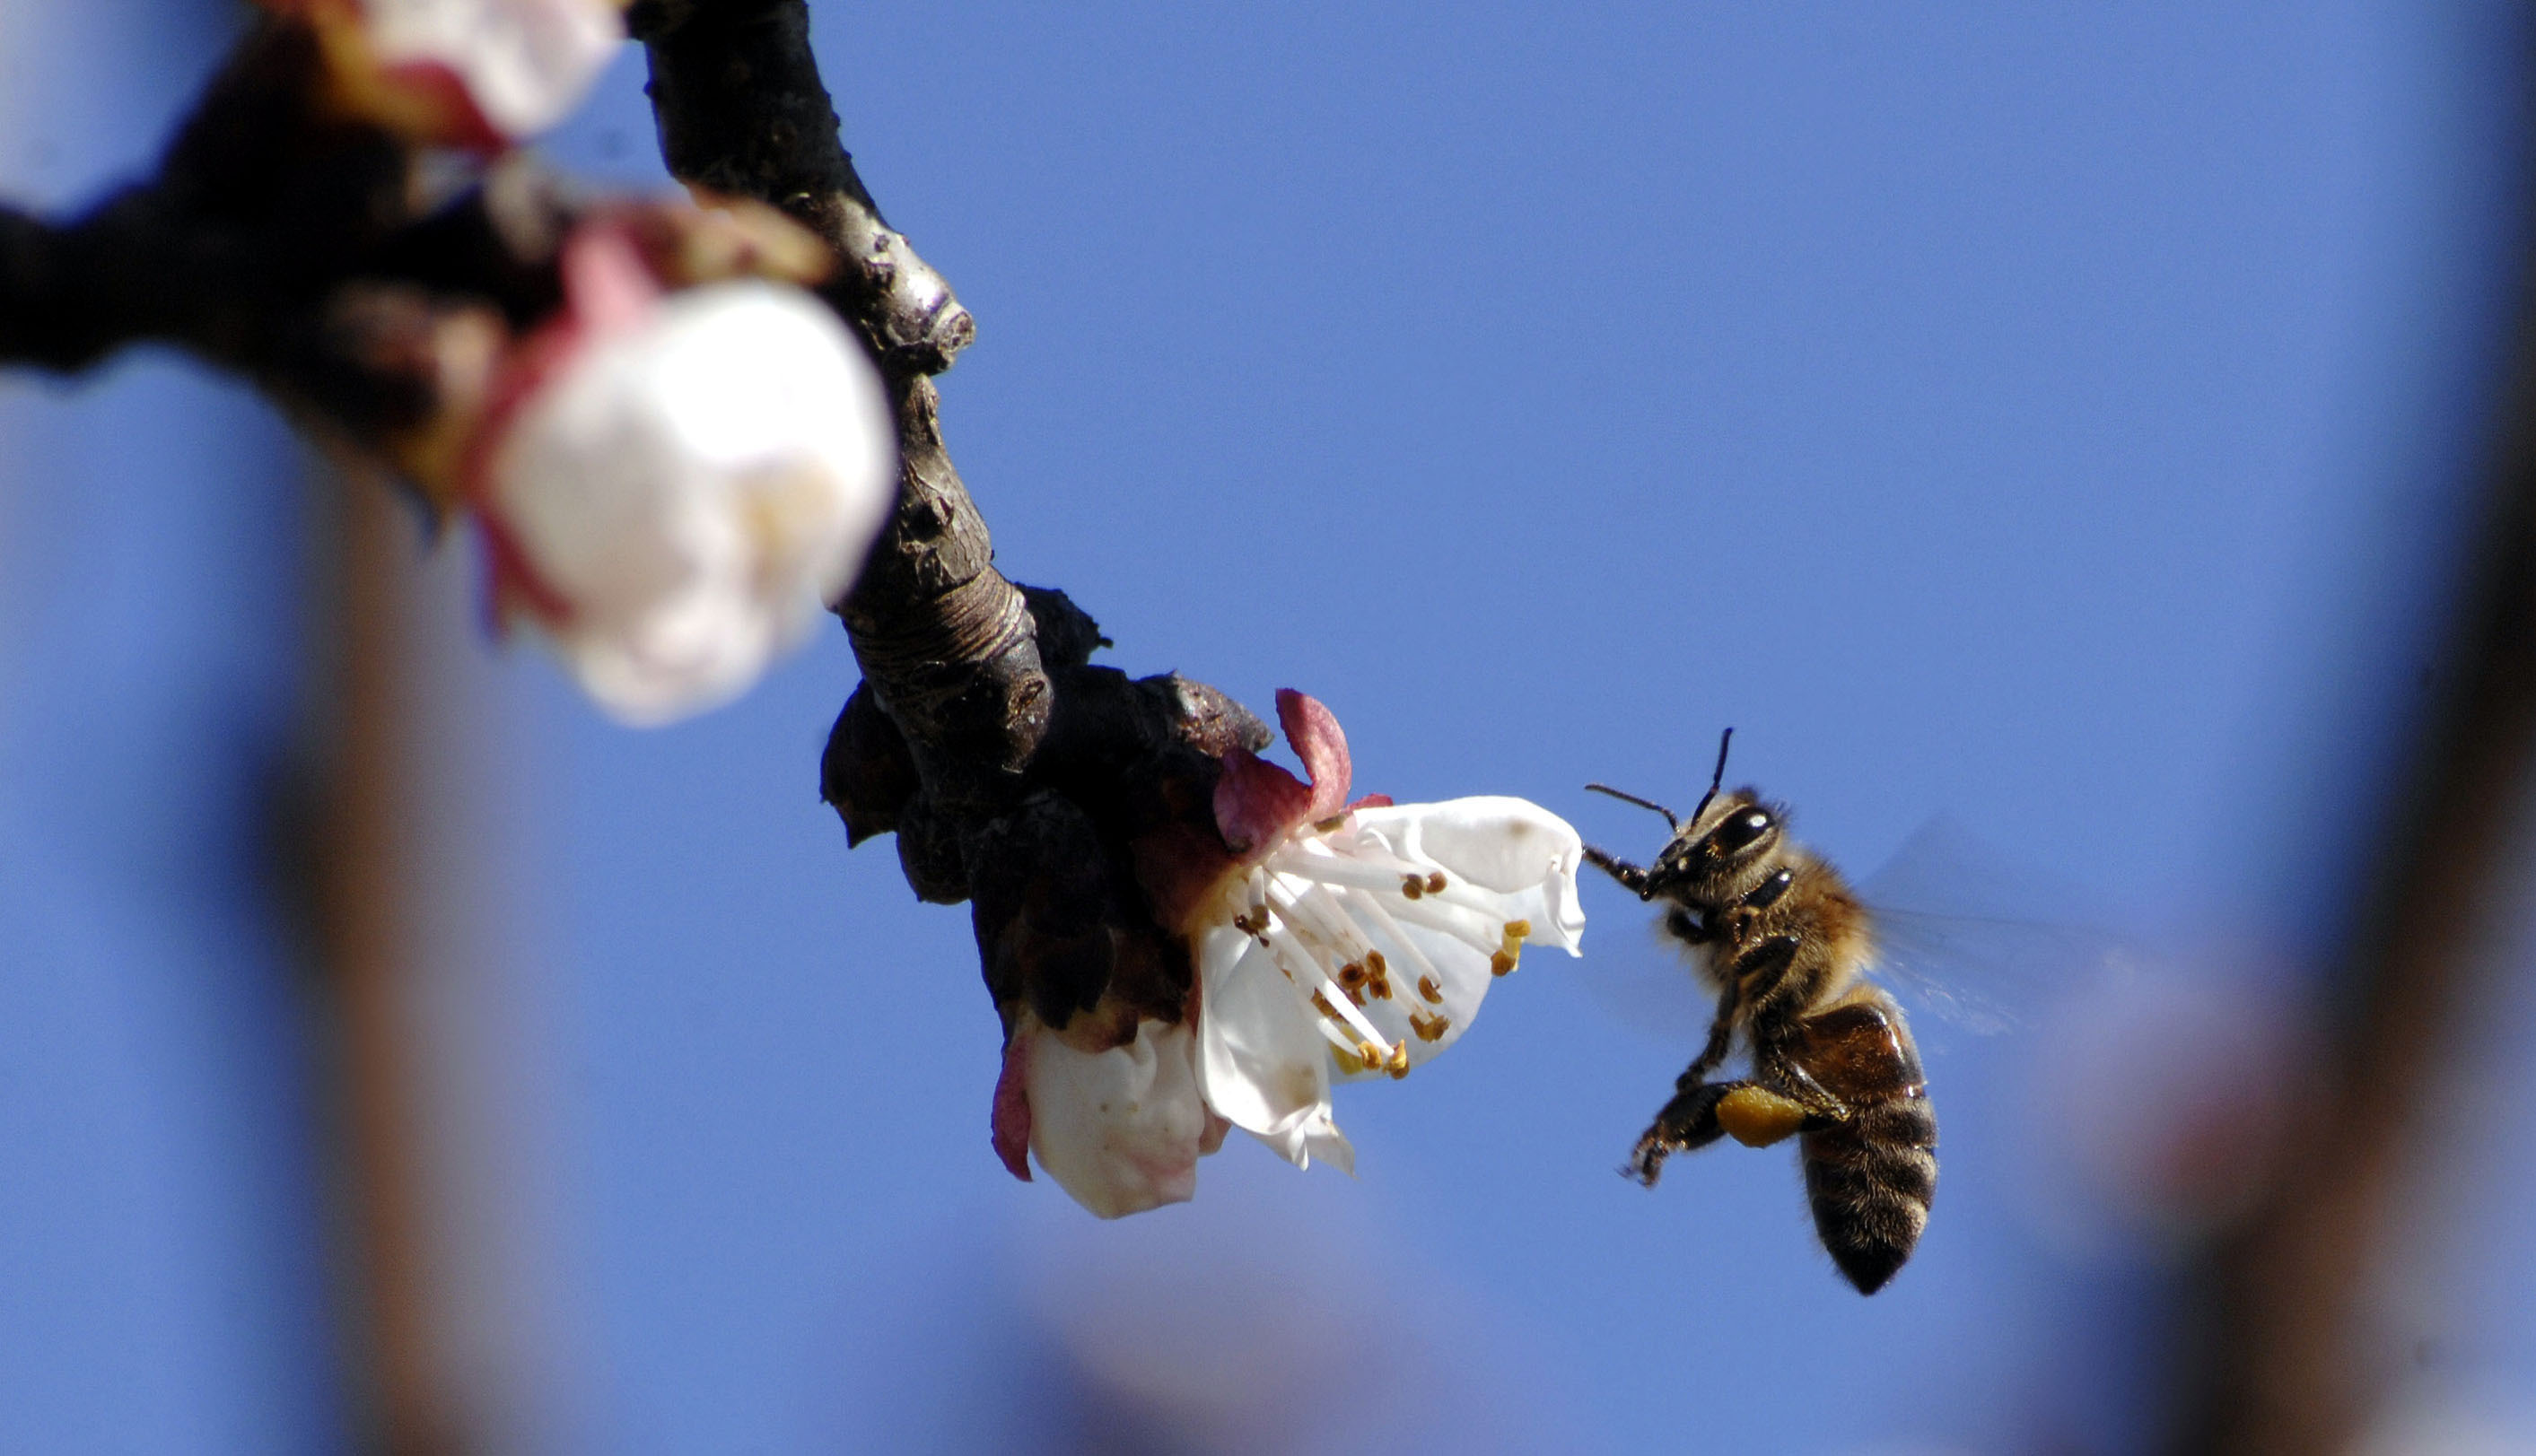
{"points": [[1741, 830]]}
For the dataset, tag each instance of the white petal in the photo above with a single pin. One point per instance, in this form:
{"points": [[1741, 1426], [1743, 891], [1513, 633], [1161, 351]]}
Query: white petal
{"points": [[1510, 846], [1422, 959], [1122, 1130], [525, 63], [697, 489], [1261, 1064]]}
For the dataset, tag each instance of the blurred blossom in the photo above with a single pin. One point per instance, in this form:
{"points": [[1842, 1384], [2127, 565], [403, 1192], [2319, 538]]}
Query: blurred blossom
{"points": [[478, 74], [2436, 1419], [672, 486], [1356, 939], [2166, 1091]]}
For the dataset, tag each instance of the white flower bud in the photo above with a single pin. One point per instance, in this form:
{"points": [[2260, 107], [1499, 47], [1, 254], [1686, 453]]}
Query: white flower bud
{"points": [[678, 498]]}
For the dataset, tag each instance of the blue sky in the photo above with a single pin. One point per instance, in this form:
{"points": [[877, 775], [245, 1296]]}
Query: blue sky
{"points": [[2045, 418]]}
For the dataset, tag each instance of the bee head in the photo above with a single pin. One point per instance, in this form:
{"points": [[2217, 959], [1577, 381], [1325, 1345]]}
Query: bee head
{"points": [[1711, 856], [1718, 851]]}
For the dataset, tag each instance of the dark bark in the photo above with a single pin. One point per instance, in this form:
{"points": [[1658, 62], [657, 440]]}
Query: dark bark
{"points": [[743, 113]]}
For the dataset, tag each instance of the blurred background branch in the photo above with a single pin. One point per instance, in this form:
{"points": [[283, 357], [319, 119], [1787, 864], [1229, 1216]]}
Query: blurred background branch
{"points": [[2283, 1350]]}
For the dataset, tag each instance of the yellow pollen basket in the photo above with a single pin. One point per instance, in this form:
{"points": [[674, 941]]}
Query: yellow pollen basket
{"points": [[1756, 1117]]}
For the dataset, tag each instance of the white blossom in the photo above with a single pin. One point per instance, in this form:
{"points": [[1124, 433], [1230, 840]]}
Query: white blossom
{"points": [[1362, 947], [1122, 1130], [686, 482], [1331, 941]]}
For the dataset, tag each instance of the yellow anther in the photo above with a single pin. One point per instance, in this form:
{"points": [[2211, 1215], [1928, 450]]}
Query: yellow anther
{"points": [[1374, 962], [1428, 987], [1352, 974], [1399, 1061], [1429, 1028], [1321, 1003], [1517, 929], [1500, 963], [1412, 886], [1347, 1061], [1435, 883], [1355, 997], [1368, 1054], [1379, 988]]}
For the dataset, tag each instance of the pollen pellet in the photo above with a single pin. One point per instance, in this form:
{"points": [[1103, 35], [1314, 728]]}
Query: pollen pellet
{"points": [[1412, 886], [1428, 987], [1435, 883], [1500, 963]]}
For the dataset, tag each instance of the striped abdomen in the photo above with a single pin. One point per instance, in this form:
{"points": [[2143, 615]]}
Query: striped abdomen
{"points": [[1870, 1178]]}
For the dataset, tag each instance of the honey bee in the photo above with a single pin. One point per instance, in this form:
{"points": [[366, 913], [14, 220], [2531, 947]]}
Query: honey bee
{"points": [[1785, 943]]}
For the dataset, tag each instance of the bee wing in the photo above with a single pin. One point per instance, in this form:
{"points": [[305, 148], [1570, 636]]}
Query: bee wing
{"points": [[1980, 945], [1981, 975]]}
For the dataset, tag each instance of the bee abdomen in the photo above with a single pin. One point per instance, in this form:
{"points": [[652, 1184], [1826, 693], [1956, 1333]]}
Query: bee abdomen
{"points": [[1870, 1179]]}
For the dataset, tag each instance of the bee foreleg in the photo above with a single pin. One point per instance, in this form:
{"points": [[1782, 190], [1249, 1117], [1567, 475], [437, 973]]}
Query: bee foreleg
{"points": [[1631, 879]]}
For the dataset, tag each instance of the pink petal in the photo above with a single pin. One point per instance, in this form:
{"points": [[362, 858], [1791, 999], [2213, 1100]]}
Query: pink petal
{"points": [[1372, 801], [1313, 732], [1012, 1116], [607, 285], [1255, 801]]}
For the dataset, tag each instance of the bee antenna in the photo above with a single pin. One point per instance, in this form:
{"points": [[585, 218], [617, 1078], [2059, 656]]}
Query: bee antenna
{"points": [[1715, 778], [1670, 821]]}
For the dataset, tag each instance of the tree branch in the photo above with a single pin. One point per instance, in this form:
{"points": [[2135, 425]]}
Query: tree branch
{"points": [[1014, 773], [2282, 1364]]}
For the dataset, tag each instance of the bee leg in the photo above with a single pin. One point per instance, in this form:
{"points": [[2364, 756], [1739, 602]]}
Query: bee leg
{"points": [[1721, 1040], [1774, 1070], [1689, 1121], [1631, 879]]}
